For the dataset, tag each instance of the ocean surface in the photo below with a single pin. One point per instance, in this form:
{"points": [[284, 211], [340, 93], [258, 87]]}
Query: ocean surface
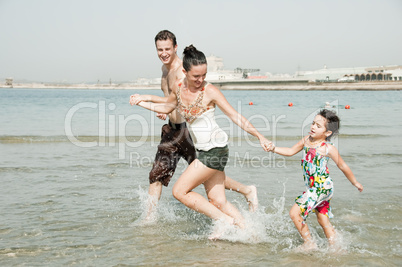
{"points": [[74, 170]]}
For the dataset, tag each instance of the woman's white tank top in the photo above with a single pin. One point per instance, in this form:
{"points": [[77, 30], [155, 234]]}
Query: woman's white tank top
{"points": [[206, 133]]}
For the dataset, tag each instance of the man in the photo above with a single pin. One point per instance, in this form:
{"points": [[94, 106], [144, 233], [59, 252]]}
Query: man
{"points": [[175, 140]]}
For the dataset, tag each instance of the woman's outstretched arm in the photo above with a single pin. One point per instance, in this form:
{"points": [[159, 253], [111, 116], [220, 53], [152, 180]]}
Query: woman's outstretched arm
{"points": [[151, 98], [162, 104], [219, 99]]}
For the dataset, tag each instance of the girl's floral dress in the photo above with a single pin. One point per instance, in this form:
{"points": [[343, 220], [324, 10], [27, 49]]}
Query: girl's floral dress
{"points": [[319, 186]]}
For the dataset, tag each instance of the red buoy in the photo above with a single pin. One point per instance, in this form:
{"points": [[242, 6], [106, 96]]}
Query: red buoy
{"points": [[250, 103], [347, 107], [290, 104]]}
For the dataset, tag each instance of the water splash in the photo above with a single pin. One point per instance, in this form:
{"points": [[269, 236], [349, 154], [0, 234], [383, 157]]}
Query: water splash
{"points": [[262, 227], [153, 212]]}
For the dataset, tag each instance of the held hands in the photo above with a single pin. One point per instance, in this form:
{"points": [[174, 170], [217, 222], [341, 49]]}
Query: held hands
{"points": [[161, 116], [136, 99], [266, 144], [271, 148]]}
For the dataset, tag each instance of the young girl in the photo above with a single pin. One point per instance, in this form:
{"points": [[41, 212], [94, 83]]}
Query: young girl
{"points": [[319, 187]]}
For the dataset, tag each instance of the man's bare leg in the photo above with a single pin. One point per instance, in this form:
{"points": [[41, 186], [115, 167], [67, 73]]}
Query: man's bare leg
{"points": [[154, 194], [248, 191]]}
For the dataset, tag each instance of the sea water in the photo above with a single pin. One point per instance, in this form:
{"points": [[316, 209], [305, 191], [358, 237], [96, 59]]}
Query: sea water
{"points": [[74, 170]]}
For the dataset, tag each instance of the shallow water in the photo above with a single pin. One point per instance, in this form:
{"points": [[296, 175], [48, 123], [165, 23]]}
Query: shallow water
{"points": [[82, 203]]}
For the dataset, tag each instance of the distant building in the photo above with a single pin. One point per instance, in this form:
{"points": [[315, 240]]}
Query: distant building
{"points": [[380, 73], [217, 72], [279, 77], [215, 64], [9, 81], [146, 81]]}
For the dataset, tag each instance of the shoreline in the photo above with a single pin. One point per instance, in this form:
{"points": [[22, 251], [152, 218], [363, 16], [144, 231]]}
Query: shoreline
{"points": [[232, 85]]}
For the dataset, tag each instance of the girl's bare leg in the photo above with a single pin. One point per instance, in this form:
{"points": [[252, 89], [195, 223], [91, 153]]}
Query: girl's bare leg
{"points": [[248, 191], [326, 225], [303, 229], [196, 174]]}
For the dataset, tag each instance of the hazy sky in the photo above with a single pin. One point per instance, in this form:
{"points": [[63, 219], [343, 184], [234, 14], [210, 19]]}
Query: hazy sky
{"points": [[91, 40]]}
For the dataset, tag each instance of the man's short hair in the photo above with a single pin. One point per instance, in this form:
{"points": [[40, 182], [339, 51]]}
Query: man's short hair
{"points": [[166, 35]]}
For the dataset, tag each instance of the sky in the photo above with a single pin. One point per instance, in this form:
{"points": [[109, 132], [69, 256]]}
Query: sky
{"points": [[78, 41]]}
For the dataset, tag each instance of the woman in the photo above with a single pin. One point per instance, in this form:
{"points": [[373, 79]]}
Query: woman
{"points": [[195, 100]]}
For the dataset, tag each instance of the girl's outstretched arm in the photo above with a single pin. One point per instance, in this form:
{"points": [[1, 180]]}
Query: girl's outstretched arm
{"points": [[289, 151], [336, 157]]}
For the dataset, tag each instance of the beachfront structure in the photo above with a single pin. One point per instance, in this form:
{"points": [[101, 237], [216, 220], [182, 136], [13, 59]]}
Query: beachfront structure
{"points": [[146, 81], [9, 81], [377, 73], [217, 72]]}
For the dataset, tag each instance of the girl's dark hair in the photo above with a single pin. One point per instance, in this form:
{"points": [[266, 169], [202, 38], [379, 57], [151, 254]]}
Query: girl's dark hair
{"points": [[333, 121], [193, 57], [166, 35]]}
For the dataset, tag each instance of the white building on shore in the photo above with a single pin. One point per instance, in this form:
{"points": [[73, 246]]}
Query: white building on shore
{"points": [[217, 72], [376, 73]]}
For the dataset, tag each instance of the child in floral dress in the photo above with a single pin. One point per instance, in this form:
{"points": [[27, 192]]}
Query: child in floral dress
{"points": [[319, 187]]}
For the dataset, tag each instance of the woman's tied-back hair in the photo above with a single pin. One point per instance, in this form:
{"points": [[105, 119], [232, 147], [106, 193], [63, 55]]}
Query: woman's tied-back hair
{"points": [[193, 57], [333, 121], [166, 35]]}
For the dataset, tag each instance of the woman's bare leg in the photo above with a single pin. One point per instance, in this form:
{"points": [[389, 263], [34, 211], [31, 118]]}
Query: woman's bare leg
{"points": [[248, 191], [215, 190], [196, 174]]}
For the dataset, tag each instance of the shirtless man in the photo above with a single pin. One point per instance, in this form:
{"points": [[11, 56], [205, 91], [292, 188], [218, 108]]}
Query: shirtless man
{"points": [[175, 140]]}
